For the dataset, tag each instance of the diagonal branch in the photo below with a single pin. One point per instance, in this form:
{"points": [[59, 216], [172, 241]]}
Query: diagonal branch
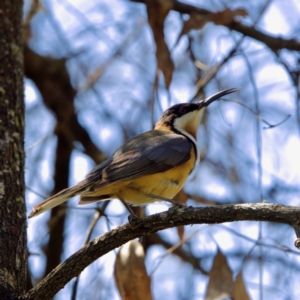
{"points": [[76, 263], [53, 81], [274, 43]]}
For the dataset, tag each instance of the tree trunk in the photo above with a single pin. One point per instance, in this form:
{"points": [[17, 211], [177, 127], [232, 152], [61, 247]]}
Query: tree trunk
{"points": [[13, 252]]}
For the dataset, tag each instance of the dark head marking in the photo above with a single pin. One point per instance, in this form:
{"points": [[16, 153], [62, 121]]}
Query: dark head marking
{"points": [[177, 111]]}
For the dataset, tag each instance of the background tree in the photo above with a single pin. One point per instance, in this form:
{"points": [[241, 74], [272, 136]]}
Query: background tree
{"points": [[99, 72]]}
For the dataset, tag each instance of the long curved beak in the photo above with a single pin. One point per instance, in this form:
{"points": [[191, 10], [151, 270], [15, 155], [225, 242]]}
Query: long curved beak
{"points": [[206, 102]]}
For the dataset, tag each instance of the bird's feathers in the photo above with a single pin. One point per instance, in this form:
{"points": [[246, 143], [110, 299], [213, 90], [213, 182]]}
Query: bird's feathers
{"points": [[151, 152], [169, 151]]}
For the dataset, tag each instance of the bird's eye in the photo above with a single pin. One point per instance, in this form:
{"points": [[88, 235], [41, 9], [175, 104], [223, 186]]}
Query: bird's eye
{"points": [[182, 110]]}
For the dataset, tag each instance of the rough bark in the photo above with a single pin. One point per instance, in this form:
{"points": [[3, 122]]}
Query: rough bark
{"points": [[13, 252]]}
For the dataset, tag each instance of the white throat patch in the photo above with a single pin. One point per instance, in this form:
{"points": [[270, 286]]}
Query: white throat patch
{"points": [[188, 125]]}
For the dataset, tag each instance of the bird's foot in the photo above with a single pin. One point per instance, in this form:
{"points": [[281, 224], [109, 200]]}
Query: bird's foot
{"points": [[134, 220], [172, 210]]}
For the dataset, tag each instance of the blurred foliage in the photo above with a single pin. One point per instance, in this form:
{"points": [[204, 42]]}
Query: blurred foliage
{"points": [[99, 72]]}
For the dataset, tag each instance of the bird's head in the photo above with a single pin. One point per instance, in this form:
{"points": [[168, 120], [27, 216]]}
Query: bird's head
{"points": [[185, 117]]}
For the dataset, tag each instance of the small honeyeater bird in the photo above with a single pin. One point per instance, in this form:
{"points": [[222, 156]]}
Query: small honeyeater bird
{"points": [[149, 167]]}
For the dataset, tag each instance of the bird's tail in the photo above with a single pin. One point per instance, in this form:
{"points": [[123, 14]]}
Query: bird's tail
{"points": [[55, 200], [93, 177]]}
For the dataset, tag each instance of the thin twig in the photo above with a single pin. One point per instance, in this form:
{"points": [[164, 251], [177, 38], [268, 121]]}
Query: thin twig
{"points": [[98, 213], [269, 125]]}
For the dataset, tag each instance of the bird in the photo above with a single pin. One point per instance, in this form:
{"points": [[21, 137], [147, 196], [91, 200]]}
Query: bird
{"points": [[149, 167]]}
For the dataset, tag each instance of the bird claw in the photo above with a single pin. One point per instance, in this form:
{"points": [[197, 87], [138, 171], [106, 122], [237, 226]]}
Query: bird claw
{"points": [[173, 209], [133, 220]]}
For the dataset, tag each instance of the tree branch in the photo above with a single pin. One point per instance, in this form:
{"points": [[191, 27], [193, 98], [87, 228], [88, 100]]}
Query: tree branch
{"points": [[54, 248], [53, 81], [76, 263], [274, 43]]}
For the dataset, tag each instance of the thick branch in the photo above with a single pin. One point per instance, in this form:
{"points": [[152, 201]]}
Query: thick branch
{"points": [[274, 43], [76, 263]]}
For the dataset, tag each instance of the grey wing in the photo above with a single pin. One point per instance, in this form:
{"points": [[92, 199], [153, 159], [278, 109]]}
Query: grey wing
{"points": [[157, 154]]}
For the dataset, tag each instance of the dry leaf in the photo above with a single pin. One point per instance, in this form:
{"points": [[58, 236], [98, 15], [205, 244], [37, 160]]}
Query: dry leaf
{"points": [[226, 16], [220, 283], [180, 231], [130, 272], [239, 289], [157, 11], [198, 21]]}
